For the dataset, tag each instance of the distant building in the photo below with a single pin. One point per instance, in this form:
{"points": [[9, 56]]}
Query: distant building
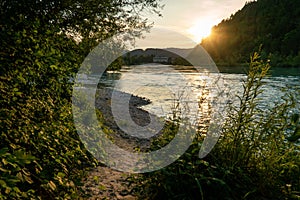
{"points": [[161, 59]]}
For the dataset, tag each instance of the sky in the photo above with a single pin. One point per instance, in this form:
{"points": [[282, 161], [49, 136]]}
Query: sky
{"points": [[185, 22]]}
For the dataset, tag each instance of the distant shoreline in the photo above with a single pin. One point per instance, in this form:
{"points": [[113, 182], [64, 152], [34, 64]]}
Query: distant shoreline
{"points": [[281, 65]]}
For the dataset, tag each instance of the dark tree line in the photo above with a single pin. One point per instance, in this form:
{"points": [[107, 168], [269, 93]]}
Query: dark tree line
{"points": [[274, 24]]}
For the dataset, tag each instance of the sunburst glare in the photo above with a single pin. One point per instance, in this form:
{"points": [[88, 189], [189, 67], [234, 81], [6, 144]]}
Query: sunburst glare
{"points": [[200, 30]]}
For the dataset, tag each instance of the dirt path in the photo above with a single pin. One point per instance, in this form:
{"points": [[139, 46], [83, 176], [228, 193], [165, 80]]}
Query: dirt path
{"points": [[103, 182]]}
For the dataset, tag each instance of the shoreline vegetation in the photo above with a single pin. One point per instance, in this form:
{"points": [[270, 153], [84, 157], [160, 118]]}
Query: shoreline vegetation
{"points": [[169, 57], [255, 158]]}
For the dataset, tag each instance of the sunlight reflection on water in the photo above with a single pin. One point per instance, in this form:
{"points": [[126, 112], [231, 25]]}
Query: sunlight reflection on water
{"points": [[154, 81]]}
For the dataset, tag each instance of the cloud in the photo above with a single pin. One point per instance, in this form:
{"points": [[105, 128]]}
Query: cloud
{"points": [[179, 16], [164, 37]]}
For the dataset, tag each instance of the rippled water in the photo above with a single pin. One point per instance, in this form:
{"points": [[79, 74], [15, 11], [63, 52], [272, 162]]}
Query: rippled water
{"points": [[164, 85]]}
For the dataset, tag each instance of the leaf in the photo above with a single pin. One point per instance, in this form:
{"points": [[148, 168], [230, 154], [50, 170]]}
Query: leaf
{"points": [[4, 161], [20, 176], [16, 189], [3, 170], [4, 152], [7, 190], [52, 185], [53, 67], [61, 174], [28, 179], [3, 183]]}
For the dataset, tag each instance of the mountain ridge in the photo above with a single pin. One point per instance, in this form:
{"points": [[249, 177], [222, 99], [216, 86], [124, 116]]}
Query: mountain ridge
{"points": [[274, 24]]}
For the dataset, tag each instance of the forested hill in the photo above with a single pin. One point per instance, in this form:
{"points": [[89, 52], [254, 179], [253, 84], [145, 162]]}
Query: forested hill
{"points": [[273, 23]]}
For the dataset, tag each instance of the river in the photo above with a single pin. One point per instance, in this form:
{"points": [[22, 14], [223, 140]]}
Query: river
{"points": [[165, 86]]}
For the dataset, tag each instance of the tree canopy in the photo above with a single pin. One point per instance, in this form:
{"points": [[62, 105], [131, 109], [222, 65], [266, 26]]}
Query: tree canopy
{"points": [[42, 44], [274, 24]]}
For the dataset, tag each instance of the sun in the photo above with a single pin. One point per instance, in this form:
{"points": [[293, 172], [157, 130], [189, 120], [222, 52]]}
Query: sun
{"points": [[200, 30]]}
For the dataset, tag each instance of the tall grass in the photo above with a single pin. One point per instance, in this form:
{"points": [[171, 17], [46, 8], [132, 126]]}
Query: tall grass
{"points": [[257, 156]]}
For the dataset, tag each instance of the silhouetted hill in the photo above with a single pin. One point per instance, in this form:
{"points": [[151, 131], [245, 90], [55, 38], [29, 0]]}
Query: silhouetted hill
{"points": [[171, 56], [181, 52], [273, 23], [169, 52]]}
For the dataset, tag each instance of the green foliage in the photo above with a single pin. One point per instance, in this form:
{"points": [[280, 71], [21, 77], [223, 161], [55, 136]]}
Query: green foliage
{"points": [[254, 144], [257, 156], [42, 44], [36, 115], [274, 24], [14, 170]]}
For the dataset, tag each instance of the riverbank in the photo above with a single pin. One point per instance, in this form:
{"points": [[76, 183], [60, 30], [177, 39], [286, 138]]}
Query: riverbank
{"points": [[139, 116]]}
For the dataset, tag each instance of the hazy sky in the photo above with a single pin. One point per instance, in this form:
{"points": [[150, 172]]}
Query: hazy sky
{"points": [[185, 22]]}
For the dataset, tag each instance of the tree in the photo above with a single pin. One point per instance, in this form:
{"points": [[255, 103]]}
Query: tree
{"points": [[274, 24], [42, 44]]}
